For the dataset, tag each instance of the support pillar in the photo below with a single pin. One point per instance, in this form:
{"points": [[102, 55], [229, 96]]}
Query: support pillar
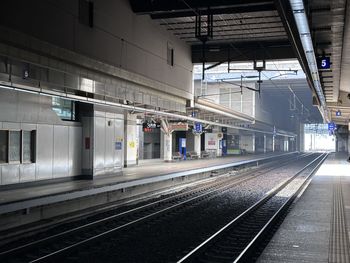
{"points": [[273, 143], [300, 140], [253, 143], [286, 144], [264, 143], [130, 140], [197, 144], [167, 148]]}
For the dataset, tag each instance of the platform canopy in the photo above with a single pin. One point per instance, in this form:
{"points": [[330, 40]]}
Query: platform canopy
{"points": [[311, 31]]}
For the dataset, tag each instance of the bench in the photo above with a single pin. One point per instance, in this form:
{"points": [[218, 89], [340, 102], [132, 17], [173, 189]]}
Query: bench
{"points": [[205, 154], [177, 156], [192, 155], [243, 151]]}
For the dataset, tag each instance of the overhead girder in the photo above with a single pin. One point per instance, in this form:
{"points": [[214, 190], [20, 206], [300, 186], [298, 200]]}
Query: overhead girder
{"points": [[242, 52], [159, 9]]}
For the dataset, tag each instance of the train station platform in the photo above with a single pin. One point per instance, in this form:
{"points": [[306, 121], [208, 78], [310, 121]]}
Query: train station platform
{"points": [[40, 201], [318, 226]]}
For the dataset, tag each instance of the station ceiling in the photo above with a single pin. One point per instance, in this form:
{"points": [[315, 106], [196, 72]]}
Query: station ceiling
{"points": [[245, 30]]}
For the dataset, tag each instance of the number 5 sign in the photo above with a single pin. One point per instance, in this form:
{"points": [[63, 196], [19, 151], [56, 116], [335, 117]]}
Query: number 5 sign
{"points": [[323, 63]]}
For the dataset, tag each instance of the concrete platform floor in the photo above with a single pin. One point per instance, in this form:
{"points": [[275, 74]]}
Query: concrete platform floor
{"points": [[318, 227], [146, 170]]}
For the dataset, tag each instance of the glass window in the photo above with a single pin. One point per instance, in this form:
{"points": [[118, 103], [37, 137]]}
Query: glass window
{"points": [[65, 109], [28, 142], [3, 146], [15, 146]]}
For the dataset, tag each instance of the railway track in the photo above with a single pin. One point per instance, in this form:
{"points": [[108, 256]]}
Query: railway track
{"points": [[240, 240], [61, 243]]}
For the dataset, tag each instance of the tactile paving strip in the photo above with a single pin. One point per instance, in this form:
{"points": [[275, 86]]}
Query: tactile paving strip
{"points": [[339, 245]]}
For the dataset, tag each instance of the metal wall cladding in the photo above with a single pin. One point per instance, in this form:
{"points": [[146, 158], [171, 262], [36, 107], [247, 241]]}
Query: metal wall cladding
{"points": [[108, 130], [109, 143], [60, 151], [58, 143], [44, 151], [27, 172], [110, 90], [87, 135], [51, 79], [119, 135], [75, 146], [71, 81], [10, 174], [99, 143], [100, 88], [87, 85], [56, 77]]}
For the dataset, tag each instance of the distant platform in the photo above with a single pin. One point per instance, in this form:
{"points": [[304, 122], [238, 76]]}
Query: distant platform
{"points": [[318, 226]]}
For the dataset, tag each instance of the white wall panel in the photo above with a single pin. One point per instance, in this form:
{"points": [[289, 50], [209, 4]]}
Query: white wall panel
{"points": [[60, 151], [109, 144], [44, 151], [132, 141], [75, 150], [8, 105], [99, 142], [28, 126], [31, 109], [11, 125], [10, 174], [119, 137], [27, 172], [26, 111], [87, 134]]}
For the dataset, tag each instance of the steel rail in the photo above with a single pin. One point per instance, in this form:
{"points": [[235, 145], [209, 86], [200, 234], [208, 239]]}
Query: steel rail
{"points": [[105, 233], [217, 185], [252, 208], [251, 246]]}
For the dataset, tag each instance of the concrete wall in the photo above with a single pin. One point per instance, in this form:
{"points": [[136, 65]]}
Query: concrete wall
{"points": [[118, 37], [58, 143]]}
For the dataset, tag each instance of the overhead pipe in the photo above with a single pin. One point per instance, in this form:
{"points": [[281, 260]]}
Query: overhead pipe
{"points": [[305, 37], [72, 97]]}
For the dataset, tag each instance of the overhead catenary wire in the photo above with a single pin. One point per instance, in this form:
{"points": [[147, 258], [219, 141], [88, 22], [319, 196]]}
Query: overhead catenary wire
{"points": [[238, 51]]}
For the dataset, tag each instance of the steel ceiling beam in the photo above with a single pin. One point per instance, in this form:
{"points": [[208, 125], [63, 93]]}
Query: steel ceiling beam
{"points": [[254, 18], [170, 9], [247, 51]]}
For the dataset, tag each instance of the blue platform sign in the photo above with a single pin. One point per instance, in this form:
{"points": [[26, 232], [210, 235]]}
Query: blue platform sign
{"points": [[198, 127], [338, 113], [331, 126], [324, 63], [118, 145]]}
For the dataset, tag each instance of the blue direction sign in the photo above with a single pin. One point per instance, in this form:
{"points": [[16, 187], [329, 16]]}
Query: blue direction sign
{"points": [[197, 127], [338, 113], [324, 63], [331, 126]]}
